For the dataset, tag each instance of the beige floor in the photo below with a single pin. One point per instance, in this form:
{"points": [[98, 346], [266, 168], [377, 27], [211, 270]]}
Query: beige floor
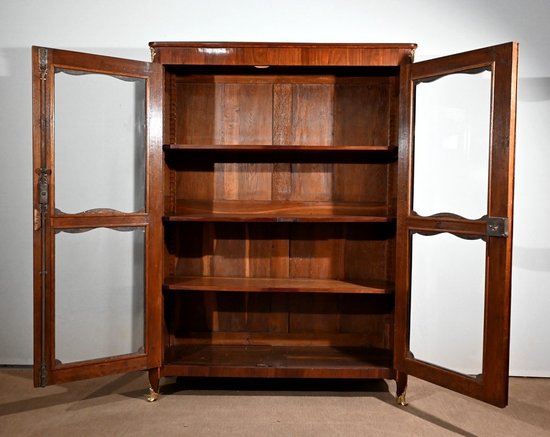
{"points": [[116, 406]]}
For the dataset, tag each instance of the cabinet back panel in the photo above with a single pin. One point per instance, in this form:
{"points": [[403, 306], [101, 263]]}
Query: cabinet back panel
{"points": [[209, 113], [362, 113], [219, 177], [279, 319], [312, 114], [282, 250], [325, 109]]}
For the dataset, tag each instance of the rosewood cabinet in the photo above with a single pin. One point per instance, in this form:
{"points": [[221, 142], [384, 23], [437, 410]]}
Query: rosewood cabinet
{"points": [[274, 210]]}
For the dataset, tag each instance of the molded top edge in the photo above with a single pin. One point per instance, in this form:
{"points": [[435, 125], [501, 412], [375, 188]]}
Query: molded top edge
{"points": [[226, 44]]}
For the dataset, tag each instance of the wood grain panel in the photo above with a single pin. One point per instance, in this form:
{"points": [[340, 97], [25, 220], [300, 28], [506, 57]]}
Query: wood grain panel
{"points": [[194, 179], [258, 313], [352, 252], [312, 114], [280, 252], [294, 110], [360, 182], [314, 313], [190, 248], [195, 112], [247, 113], [229, 250], [361, 112], [282, 113], [231, 312], [365, 251], [276, 319], [243, 181], [225, 178], [315, 251], [311, 182]]}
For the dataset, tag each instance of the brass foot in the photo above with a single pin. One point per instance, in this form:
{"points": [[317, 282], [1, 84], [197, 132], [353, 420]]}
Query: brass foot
{"points": [[402, 399], [153, 395]]}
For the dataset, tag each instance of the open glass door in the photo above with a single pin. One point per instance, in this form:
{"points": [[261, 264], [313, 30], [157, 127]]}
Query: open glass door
{"points": [[97, 233], [454, 228]]}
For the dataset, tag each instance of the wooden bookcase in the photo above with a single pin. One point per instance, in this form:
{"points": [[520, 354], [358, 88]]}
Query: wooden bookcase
{"points": [[279, 213]]}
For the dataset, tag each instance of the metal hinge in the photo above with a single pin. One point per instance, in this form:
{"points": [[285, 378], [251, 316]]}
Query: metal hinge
{"points": [[43, 376], [43, 174], [43, 188], [43, 62], [497, 227]]}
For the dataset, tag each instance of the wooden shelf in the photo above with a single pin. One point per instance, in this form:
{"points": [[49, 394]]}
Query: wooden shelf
{"points": [[216, 217], [279, 285], [279, 148], [278, 361], [272, 211]]}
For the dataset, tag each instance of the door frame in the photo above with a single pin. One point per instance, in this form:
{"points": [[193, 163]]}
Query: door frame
{"points": [[47, 220], [492, 385]]}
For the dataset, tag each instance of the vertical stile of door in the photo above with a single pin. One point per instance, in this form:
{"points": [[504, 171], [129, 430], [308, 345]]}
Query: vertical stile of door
{"points": [[42, 119]]}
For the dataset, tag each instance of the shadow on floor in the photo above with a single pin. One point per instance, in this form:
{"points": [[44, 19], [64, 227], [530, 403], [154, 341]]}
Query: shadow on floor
{"points": [[133, 387]]}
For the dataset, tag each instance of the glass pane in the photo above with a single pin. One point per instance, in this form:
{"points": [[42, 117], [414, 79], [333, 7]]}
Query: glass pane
{"points": [[99, 142], [99, 294], [447, 301], [451, 145]]}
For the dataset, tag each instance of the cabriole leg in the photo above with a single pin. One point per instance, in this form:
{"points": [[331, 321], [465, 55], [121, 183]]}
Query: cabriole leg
{"points": [[154, 381]]}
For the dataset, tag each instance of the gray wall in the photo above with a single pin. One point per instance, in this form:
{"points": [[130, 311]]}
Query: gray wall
{"points": [[123, 28]]}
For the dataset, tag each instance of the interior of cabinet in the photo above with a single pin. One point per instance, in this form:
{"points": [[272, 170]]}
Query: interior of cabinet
{"points": [[299, 106], [279, 221]]}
